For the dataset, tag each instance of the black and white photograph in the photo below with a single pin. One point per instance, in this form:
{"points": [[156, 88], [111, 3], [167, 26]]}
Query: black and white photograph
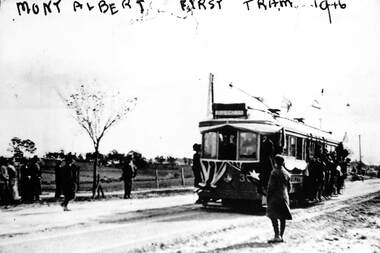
{"points": [[189, 126]]}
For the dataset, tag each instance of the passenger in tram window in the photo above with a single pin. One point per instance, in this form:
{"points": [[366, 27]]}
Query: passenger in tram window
{"points": [[266, 162], [227, 147], [278, 199]]}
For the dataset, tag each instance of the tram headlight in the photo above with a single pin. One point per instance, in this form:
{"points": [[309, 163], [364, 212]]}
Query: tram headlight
{"points": [[227, 178]]}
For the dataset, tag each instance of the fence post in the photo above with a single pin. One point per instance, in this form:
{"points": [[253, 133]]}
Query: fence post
{"points": [[182, 176], [157, 182]]}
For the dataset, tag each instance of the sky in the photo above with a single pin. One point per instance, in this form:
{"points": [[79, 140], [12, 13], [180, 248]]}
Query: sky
{"points": [[164, 58]]}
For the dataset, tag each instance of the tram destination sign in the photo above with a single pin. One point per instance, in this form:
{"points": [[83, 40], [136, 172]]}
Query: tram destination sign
{"points": [[229, 110]]}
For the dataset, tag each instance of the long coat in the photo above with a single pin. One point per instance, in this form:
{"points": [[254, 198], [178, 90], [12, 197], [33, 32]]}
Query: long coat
{"points": [[277, 196], [13, 182], [197, 169], [266, 163], [128, 171], [35, 173], [69, 173]]}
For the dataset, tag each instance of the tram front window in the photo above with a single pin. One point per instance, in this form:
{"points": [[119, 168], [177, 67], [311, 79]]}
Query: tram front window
{"points": [[227, 146], [209, 145], [248, 145]]}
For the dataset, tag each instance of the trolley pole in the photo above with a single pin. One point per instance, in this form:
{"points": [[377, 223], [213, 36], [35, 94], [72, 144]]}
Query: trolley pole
{"points": [[360, 149], [210, 100]]}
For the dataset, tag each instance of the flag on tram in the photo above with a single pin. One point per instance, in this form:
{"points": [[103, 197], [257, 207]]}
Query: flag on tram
{"points": [[345, 138], [286, 104]]}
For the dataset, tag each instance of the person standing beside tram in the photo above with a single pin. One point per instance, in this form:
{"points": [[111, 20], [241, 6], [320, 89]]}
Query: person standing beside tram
{"points": [[196, 167], [266, 162], [278, 199], [197, 164]]}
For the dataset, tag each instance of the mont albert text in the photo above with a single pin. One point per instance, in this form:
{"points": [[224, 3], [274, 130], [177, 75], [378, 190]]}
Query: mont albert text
{"points": [[113, 7]]}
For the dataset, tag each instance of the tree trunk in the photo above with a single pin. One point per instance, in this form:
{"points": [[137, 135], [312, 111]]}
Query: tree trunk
{"points": [[95, 170]]}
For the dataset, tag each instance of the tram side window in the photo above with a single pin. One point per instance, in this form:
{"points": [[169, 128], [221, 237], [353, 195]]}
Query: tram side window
{"points": [[299, 148], [305, 152], [248, 145], [292, 146], [312, 149], [209, 145]]}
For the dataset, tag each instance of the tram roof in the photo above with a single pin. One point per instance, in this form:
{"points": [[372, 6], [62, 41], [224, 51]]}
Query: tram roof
{"points": [[269, 126]]}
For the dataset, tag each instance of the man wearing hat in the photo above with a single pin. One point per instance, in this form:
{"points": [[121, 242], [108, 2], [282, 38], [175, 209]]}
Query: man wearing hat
{"points": [[278, 198], [128, 172], [58, 178], [69, 173], [197, 164]]}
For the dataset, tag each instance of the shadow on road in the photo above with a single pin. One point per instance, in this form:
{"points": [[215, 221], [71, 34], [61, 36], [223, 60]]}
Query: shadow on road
{"points": [[240, 246]]}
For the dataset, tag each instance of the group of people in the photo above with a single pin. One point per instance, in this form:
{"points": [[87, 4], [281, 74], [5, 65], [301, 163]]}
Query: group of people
{"points": [[325, 175], [19, 181]]}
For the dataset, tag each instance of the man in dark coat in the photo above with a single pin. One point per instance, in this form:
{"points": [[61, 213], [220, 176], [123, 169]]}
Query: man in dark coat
{"points": [[69, 172], [13, 181], [26, 184], [4, 182], [129, 172], [278, 199], [35, 173], [266, 163], [197, 164], [58, 178]]}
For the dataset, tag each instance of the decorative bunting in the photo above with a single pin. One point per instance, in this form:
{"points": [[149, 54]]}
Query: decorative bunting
{"points": [[213, 171]]}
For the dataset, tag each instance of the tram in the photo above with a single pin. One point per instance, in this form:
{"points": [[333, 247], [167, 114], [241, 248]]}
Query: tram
{"points": [[233, 152]]}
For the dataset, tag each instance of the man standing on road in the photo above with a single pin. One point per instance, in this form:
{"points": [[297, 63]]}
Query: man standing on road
{"points": [[69, 172], [129, 172], [35, 178], [4, 182], [197, 167], [58, 178], [13, 181], [197, 164], [278, 199]]}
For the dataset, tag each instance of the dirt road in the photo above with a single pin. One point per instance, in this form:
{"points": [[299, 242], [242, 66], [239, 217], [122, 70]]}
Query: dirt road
{"points": [[173, 224]]}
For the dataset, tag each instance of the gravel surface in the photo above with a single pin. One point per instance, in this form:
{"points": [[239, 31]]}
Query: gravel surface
{"points": [[347, 222]]}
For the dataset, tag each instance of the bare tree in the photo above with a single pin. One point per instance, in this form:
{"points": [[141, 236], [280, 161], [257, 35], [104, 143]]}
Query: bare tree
{"points": [[96, 111]]}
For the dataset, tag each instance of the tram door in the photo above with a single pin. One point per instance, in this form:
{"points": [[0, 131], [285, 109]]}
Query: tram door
{"points": [[227, 144]]}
